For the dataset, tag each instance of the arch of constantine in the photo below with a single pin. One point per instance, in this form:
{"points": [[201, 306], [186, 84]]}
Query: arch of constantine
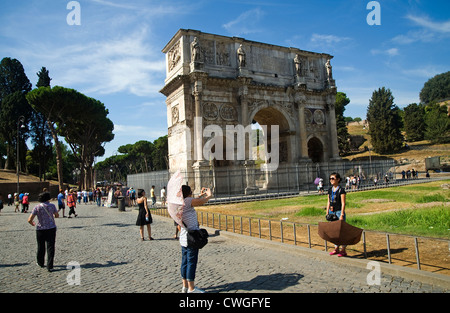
{"points": [[215, 84]]}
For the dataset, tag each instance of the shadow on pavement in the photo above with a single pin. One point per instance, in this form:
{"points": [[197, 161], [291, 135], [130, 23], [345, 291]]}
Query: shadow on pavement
{"points": [[272, 282]]}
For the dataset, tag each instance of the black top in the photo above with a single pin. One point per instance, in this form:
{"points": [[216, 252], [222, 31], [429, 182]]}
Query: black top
{"points": [[335, 198]]}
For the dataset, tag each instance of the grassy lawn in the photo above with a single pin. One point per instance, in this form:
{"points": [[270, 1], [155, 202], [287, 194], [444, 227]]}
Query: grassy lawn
{"points": [[420, 209]]}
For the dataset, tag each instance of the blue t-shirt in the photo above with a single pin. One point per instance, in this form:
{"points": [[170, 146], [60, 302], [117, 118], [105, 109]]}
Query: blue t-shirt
{"points": [[61, 198]]}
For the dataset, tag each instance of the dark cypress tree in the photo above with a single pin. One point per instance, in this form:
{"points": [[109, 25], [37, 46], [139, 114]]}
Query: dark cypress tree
{"points": [[341, 125], [414, 123], [384, 122]]}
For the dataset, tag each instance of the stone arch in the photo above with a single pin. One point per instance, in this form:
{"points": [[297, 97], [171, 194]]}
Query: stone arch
{"points": [[315, 150], [268, 115]]}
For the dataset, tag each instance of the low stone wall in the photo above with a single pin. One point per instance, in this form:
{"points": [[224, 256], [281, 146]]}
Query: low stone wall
{"points": [[33, 188]]}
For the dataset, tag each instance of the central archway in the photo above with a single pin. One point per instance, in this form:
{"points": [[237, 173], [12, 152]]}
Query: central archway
{"points": [[270, 116]]}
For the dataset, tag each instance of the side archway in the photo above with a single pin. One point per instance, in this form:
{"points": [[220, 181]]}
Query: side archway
{"points": [[315, 150]]}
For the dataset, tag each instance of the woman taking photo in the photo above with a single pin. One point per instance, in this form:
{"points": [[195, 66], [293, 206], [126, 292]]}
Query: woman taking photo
{"points": [[336, 206], [189, 255], [45, 229], [144, 216]]}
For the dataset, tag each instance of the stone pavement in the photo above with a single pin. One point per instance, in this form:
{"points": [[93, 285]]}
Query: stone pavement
{"points": [[112, 258]]}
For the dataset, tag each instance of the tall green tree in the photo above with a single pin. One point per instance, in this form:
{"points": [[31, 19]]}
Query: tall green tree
{"points": [[413, 122], [52, 103], [43, 78], [40, 132], [384, 122], [436, 88], [14, 85], [85, 133], [438, 123], [341, 125]]}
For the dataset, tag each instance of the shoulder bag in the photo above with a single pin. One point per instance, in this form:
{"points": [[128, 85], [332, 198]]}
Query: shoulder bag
{"points": [[197, 238]]}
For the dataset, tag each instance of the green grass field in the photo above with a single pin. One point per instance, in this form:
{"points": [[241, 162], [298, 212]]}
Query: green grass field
{"points": [[420, 209]]}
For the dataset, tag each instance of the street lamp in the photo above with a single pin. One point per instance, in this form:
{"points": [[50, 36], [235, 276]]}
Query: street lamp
{"points": [[20, 125]]}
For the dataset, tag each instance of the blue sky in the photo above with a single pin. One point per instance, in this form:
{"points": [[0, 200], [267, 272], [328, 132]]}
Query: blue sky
{"points": [[115, 54]]}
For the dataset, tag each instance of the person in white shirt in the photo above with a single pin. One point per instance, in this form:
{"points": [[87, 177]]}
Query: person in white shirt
{"points": [[163, 196], [189, 255]]}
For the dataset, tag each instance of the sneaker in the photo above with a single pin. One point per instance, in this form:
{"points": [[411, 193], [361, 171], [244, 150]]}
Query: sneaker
{"points": [[184, 290], [196, 290]]}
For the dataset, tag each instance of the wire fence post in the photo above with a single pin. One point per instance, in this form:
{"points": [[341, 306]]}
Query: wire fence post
{"points": [[309, 235], [295, 235], [388, 248], [281, 231], [416, 244]]}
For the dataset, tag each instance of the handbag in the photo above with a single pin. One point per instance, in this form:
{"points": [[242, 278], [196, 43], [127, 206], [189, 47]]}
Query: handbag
{"points": [[197, 238], [331, 217]]}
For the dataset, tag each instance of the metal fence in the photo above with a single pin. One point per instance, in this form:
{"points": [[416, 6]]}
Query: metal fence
{"points": [[385, 247], [229, 184]]}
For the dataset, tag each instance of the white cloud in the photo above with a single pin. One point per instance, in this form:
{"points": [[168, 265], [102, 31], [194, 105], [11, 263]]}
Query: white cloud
{"points": [[442, 27], [327, 39], [142, 131], [389, 52], [328, 42], [425, 72], [123, 64], [246, 23], [430, 31], [115, 5]]}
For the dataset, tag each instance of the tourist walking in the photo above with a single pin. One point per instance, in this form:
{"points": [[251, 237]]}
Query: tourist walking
{"points": [[152, 195], [61, 205], [99, 197], [133, 196], [79, 196], [25, 203], [163, 196], [144, 216], [189, 255], [336, 206], [16, 202], [72, 203], [45, 229]]}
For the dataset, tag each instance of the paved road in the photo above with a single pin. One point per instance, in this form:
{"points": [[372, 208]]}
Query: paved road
{"points": [[106, 244]]}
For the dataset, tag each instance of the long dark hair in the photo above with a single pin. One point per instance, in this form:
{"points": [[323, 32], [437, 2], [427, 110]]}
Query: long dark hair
{"points": [[187, 191], [140, 193]]}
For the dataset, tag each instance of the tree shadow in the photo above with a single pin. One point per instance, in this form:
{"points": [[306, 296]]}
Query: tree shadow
{"points": [[272, 282]]}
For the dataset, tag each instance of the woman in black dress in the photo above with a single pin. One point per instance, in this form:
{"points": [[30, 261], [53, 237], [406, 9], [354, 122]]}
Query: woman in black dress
{"points": [[144, 215]]}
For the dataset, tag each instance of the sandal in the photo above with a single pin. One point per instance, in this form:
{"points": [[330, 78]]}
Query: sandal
{"points": [[335, 251]]}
